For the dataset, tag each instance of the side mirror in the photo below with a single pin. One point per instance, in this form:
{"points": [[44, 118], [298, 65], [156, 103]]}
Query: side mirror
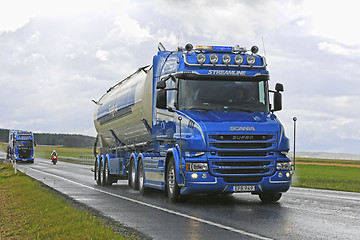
{"points": [[279, 87], [161, 85], [277, 97], [161, 98], [277, 101]]}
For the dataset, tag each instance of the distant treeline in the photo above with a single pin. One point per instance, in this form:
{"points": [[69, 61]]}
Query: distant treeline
{"points": [[67, 140]]}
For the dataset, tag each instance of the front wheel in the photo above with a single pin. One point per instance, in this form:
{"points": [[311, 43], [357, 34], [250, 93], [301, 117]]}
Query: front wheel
{"points": [[270, 197], [141, 178], [172, 188], [97, 173], [101, 173]]}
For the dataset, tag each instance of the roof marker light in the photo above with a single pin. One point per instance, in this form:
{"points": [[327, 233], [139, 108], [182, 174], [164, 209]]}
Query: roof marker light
{"points": [[203, 47], [214, 58], [254, 49], [188, 47]]}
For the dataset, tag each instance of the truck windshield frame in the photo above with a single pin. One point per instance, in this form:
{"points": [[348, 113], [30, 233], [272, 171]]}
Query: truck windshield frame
{"points": [[223, 95]]}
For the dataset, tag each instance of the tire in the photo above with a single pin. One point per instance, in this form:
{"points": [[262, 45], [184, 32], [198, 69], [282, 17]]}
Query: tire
{"points": [[172, 188], [132, 176], [141, 176], [101, 173], [97, 173], [107, 177], [270, 197]]}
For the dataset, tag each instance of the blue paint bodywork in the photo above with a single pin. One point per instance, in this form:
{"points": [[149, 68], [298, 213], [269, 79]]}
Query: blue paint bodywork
{"points": [[21, 144]]}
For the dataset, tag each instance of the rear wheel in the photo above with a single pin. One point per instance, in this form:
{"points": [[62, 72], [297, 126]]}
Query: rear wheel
{"points": [[270, 197], [107, 177], [132, 173], [172, 188]]}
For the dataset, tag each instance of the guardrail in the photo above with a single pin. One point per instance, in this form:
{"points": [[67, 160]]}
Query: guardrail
{"points": [[84, 159], [87, 157]]}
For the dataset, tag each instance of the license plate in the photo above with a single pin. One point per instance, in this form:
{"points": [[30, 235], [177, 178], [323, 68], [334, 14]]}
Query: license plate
{"points": [[242, 188]]}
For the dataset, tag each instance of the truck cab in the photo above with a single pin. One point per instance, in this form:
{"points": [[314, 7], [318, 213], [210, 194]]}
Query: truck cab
{"points": [[21, 145]]}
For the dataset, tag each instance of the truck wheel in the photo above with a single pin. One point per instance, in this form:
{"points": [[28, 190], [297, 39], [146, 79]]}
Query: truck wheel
{"points": [[107, 177], [132, 173], [172, 188], [142, 188], [97, 173], [270, 197], [101, 173]]}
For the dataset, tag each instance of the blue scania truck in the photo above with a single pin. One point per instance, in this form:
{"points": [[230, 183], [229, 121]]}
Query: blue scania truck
{"points": [[197, 121], [21, 146]]}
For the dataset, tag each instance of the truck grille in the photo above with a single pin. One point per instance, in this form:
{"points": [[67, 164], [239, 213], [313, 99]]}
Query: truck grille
{"points": [[24, 153], [241, 145], [242, 157]]}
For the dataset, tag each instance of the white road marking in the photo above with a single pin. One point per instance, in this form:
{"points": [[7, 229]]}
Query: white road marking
{"points": [[165, 210], [322, 193]]}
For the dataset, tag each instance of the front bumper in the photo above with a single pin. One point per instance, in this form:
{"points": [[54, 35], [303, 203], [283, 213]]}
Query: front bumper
{"points": [[18, 159], [205, 183]]}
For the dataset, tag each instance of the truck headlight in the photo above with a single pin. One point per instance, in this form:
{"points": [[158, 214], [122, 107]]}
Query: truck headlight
{"points": [[283, 166], [196, 167]]}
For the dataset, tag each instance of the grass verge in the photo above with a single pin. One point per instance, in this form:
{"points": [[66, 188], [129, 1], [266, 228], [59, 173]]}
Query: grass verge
{"points": [[328, 174], [30, 211], [45, 151]]}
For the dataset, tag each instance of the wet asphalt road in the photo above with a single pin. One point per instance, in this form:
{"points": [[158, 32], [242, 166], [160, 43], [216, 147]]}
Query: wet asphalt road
{"points": [[300, 214]]}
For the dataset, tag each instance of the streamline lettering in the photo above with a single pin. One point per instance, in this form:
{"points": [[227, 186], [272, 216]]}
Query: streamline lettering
{"points": [[227, 72]]}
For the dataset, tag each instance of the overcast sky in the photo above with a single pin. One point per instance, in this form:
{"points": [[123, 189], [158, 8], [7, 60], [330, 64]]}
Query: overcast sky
{"points": [[58, 55]]}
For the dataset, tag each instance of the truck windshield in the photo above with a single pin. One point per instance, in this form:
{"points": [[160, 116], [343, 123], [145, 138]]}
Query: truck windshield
{"points": [[210, 95], [24, 143]]}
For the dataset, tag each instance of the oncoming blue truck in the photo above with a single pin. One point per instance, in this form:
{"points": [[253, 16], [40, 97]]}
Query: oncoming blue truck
{"points": [[197, 121], [21, 146]]}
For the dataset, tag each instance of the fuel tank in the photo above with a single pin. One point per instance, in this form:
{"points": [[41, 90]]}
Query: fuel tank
{"points": [[125, 109]]}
